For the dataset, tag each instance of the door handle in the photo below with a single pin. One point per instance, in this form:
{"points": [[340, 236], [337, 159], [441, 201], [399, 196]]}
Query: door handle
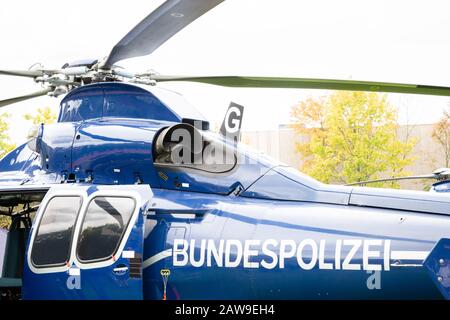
{"points": [[180, 213], [120, 270]]}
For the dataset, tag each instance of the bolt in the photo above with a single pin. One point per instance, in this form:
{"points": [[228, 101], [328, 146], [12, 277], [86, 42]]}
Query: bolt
{"points": [[440, 279], [441, 262]]}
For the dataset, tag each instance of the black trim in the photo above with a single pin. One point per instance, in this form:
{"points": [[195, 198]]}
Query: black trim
{"points": [[136, 266]]}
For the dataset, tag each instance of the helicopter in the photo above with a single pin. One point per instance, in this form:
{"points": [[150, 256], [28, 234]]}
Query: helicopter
{"points": [[130, 195]]}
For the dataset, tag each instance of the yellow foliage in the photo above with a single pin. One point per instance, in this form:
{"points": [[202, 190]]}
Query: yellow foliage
{"points": [[5, 222], [5, 143], [43, 115], [351, 136], [441, 133]]}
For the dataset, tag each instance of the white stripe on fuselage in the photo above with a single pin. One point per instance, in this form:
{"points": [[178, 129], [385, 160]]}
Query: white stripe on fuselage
{"points": [[157, 257], [409, 255], [394, 255]]}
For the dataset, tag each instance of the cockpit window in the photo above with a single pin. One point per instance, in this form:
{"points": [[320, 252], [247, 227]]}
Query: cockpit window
{"points": [[178, 104], [137, 104], [114, 100], [86, 104]]}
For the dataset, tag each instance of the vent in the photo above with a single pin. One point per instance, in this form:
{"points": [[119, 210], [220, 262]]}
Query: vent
{"points": [[136, 266]]}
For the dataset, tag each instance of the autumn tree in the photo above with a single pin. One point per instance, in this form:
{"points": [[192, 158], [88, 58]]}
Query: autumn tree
{"points": [[5, 147], [5, 142], [350, 137], [4, 222], [43, 115], [441, 133]]}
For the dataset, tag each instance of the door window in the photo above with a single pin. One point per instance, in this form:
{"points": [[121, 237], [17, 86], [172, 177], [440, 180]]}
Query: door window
{"points": [[103, 227], [51, 246]]}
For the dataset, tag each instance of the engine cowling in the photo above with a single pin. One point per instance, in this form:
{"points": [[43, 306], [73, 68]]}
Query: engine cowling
{"points": [[183, 145]]}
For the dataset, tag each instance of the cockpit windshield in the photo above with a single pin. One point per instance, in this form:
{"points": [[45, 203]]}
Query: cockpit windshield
{"points": [[177, 103], [135, 103], [85, 104], [124, 101]]}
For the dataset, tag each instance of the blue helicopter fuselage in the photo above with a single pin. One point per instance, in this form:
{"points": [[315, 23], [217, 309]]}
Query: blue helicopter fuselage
{"points": [[260, 230]]}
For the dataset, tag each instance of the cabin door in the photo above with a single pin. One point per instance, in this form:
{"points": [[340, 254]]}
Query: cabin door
{"points": [[87, 243]]}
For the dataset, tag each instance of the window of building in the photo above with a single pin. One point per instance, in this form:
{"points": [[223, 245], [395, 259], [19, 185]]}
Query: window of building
{"points": [[52, 243], [103, 227]]}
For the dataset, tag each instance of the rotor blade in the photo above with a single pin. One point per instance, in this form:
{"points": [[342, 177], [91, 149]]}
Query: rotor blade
{"points": [[25, 97], [158, 27], [22, 73], [305, 83], [109, 208], [425, 176]]}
